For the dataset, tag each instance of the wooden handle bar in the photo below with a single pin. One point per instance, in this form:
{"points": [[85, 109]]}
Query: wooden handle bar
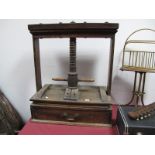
{"points": [[59, 79], [80, 80], [86, 80]]}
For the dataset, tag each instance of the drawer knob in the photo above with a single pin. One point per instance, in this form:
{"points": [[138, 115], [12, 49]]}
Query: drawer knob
{"points": [[70, 117]]}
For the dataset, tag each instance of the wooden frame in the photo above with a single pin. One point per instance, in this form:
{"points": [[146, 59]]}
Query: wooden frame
{"points": [[77, 30]]}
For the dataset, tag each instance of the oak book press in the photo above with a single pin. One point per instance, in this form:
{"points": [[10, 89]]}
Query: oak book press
{"points": [[72, 104]]}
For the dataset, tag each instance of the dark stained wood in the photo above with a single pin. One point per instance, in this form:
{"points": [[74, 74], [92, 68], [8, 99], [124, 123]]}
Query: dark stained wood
{"points": [[69, 30], [111, 59], [72, 114], [54, 94], [73, 30], [36, 52], [93, 104]]}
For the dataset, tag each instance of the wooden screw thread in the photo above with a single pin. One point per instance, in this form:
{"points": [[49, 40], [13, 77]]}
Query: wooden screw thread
{"points": [[72, 54]]}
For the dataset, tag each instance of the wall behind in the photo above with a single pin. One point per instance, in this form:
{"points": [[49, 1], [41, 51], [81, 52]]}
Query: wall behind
{"points": [[17, 79]]}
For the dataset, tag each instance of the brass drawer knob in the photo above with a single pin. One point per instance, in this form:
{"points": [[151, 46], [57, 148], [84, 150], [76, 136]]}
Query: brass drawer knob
{"points": [[70, 117]]}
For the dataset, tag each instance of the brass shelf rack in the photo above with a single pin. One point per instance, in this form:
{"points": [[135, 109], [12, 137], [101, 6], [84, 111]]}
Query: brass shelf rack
{"points": [[140, 62]]}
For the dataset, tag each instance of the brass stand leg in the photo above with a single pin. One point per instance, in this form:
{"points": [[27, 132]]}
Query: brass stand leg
{"points": [[134, 89], [142, 97], [140, 92]]}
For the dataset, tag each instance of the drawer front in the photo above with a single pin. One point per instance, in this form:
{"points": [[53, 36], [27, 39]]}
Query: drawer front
{"points": [[72, 115]]}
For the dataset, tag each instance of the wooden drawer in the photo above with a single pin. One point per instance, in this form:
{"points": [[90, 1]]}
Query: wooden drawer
{"points": [[83, 115]]}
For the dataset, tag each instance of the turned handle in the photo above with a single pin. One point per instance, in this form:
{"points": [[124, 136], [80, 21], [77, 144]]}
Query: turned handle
{"points": [[59, 79], [80, 80]]}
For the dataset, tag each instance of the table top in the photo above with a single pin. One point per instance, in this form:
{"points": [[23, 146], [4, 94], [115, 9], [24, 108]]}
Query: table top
{"points": [[33, 128]]}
